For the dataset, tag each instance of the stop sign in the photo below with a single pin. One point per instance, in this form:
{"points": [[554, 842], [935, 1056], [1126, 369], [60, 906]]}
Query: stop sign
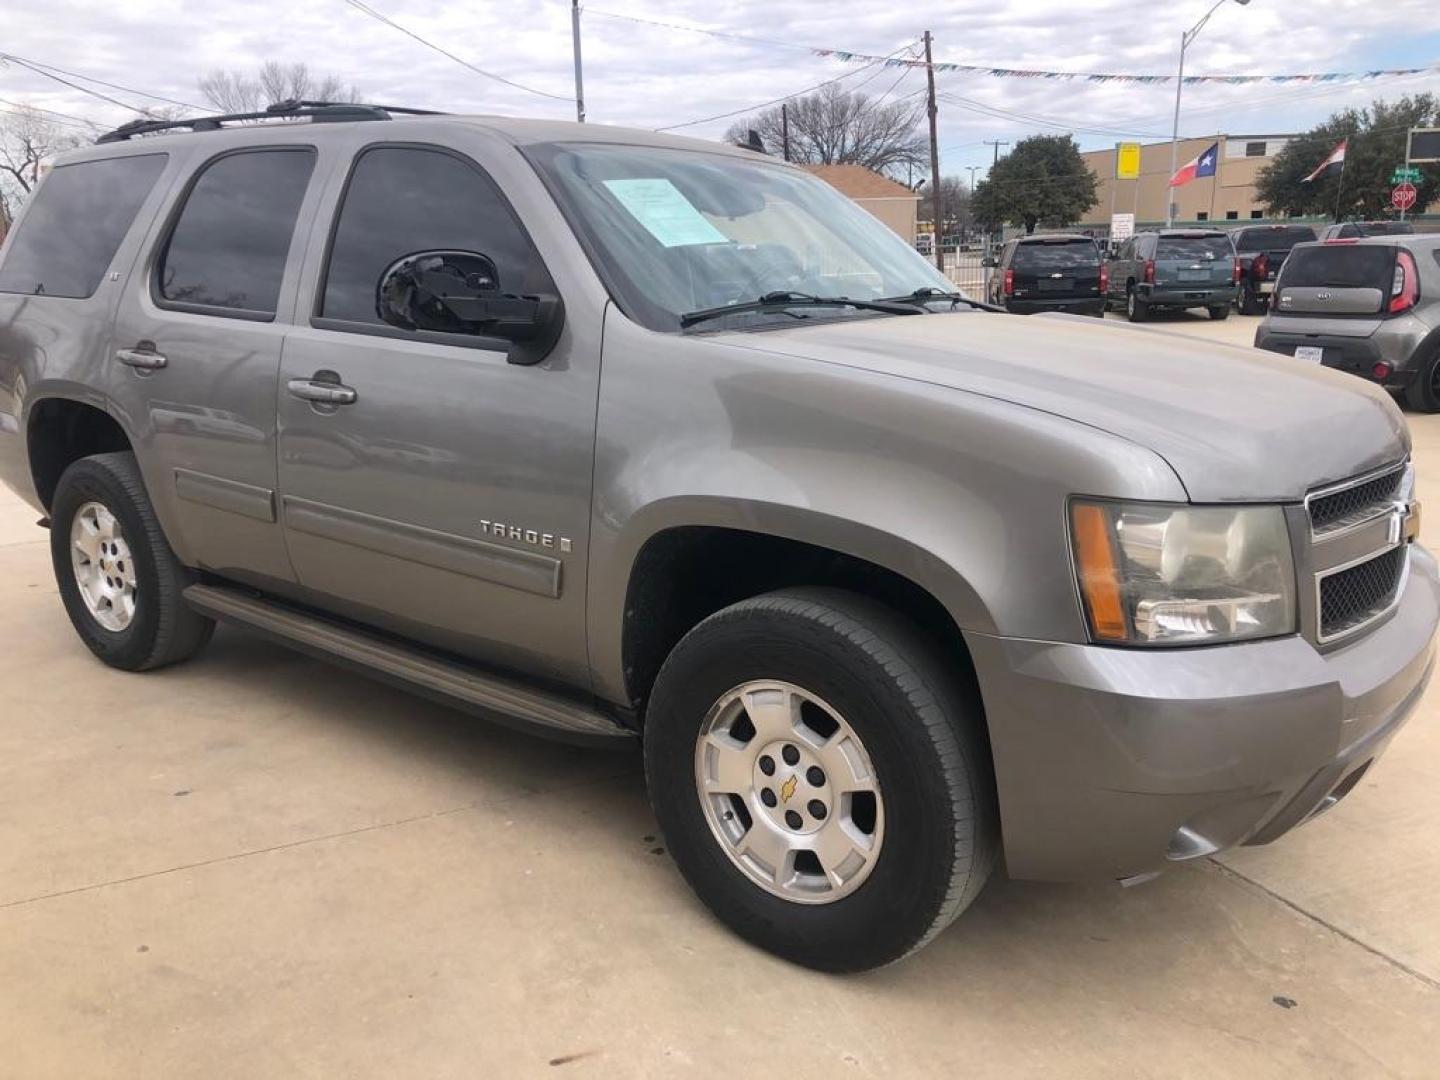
{"points": [[1403, 197]]}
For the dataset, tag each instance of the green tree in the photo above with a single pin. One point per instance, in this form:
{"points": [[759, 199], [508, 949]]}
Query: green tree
{"points": [[1043, 181], [1376, 148]]}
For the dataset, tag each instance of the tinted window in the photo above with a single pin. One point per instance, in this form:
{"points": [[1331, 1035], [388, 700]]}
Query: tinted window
{"points": [[229, 246], [1062, 256], [1384, 228], [1276, 238], [1193, 247], [1254, 149], [402, 200], [71, 232], [1342, 266]]}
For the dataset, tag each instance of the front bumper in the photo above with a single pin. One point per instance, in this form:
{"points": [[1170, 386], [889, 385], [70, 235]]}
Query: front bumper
{"points": [[1111, 763]]}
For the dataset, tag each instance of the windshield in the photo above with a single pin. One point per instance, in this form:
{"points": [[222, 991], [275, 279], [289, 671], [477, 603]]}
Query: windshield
{"points": [[678, 231], [1279, 238], [1053, 255], [1192, 247]]}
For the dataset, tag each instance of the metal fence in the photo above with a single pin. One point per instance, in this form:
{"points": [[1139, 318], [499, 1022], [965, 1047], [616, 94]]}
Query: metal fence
{"points": [[964, 269]]}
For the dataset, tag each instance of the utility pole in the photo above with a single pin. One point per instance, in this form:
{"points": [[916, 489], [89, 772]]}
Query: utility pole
{"points": [[579, 79], [934, 157], [996, 143], [785, 130]]}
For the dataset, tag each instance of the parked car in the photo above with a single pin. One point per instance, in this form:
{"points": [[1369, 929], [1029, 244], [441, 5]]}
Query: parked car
{"points": [[1261, 250], [622, 437], [1370, 307], [1060, 272], [1173, 269], [1354, 229]]}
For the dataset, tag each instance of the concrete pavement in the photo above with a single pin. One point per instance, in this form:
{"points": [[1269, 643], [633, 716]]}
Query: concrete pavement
{"points": [[259, 865]]}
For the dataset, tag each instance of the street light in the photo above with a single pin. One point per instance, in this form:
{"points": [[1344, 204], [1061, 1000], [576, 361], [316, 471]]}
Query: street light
{"points": [[1185, 40]]}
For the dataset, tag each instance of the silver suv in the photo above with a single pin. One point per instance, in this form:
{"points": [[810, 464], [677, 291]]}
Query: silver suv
{"points": [[633, 439], [1367, 306]]}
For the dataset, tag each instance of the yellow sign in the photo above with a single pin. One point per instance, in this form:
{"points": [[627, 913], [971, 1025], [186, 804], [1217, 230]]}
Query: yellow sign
{"points": [[1127, 161]]}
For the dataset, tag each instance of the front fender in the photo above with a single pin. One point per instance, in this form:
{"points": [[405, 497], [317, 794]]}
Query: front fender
{"points": [[961, 494]]}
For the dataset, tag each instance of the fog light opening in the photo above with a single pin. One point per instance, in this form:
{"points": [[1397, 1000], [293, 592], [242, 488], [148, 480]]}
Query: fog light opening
{"points": [[1381, 370]]}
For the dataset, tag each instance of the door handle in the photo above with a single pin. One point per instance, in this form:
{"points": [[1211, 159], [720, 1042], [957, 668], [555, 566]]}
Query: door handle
{"points": [[324, 392], [142, 356]]}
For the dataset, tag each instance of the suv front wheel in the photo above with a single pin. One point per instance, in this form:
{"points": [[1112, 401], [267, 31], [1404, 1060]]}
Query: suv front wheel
{"points": [[821, 778], [118, 578]]}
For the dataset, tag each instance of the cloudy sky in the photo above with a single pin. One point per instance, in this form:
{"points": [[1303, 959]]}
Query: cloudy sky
{"points": [[646, 75]]}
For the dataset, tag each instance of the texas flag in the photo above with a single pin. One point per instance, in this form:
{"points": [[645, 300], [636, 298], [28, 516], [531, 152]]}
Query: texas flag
{"points": [[1336, 158], [1203, 165]]}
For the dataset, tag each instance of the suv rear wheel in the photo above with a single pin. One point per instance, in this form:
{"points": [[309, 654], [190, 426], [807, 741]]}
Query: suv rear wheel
{"points": [[1423, 393], [1220, 311], [1136, 310], [820, 778], [118, 578]]}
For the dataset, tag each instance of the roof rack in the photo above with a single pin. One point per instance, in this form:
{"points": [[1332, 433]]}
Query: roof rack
{"points": [[319, 112]]}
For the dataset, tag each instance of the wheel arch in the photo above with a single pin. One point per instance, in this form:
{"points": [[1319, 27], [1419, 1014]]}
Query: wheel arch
{"points": [[60, 430], [685, 566]]}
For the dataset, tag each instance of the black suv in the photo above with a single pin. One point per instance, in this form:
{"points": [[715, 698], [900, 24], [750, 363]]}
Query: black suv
{"points": [[1060, 272], [1261, 250]]}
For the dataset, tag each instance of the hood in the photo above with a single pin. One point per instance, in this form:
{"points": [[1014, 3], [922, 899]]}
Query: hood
{"points": [[1235, 423]]}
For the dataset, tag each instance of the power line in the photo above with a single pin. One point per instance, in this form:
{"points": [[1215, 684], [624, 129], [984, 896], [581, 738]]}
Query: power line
{"points": [[70, 118], [699, 30], [360, 6], [76, 86], [797, 93], [32, 64]]}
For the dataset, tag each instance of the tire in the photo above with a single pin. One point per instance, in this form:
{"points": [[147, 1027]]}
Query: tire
{"points": [[1423, 393], [142, 622], [934, 833], [1220, 311], [1136, 310]]}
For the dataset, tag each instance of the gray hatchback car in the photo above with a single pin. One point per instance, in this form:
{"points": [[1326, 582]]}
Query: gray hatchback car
{"points": [[631, 439], [1370, 307]]}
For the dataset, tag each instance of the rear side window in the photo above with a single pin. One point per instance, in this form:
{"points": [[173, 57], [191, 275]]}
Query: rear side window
{"points": [[1341, 266], [74, 227], [1062, 256], [402, 200], [227, 251], [1200, 248]]}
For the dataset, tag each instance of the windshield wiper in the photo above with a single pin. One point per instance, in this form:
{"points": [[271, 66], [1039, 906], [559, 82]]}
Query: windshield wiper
{"points": [[779, 301], [926, 294]]}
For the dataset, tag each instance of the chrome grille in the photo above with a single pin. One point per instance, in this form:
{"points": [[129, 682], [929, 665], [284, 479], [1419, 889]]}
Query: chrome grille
{"points": [[1351, 597], [1333, 509]]}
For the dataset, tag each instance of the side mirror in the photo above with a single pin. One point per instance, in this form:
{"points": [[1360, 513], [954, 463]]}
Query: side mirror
{"points": [[458, 292]]}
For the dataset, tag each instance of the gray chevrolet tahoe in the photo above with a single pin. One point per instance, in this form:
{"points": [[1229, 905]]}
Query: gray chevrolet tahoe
{"points": [[624, 437]]}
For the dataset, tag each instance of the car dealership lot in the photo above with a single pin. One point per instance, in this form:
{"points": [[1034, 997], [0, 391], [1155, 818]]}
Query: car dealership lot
{"points": [[257, 864]]}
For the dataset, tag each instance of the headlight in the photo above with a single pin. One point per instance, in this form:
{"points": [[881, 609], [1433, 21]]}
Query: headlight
{"points": [[1157, 574]]}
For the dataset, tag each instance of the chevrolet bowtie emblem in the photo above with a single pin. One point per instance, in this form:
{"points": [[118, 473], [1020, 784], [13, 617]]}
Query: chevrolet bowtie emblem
{"points": [[787, 789]]}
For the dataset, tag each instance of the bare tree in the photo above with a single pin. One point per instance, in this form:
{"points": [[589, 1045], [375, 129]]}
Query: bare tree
{"points": [[27, 138], [836, 127], [238, 91]]}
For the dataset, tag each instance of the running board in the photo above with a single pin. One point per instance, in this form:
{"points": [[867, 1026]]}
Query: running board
{"points": [[505, 700]]}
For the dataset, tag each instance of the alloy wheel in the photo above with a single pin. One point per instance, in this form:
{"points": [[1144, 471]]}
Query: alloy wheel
{"points": [[103, 565], [789, 792]]}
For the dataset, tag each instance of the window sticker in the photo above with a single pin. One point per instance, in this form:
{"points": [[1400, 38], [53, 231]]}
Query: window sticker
{"points": [[666, 214]]}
